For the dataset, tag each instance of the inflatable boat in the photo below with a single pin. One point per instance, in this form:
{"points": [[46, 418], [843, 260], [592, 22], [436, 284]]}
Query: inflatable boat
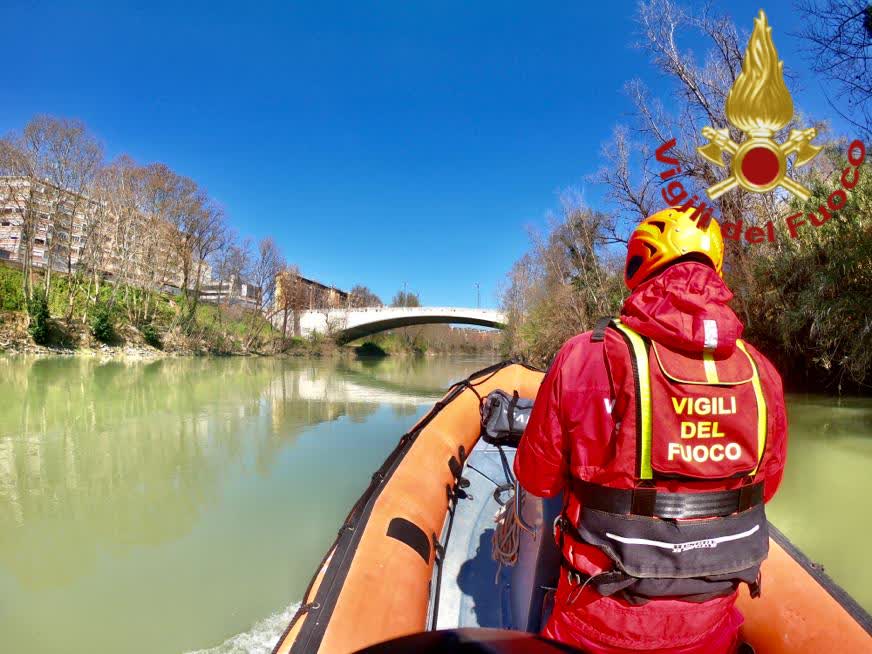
{"points": [[414, 556]]}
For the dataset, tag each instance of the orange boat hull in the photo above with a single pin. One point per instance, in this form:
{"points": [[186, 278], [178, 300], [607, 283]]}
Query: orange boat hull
{"points": [[372, 587]]}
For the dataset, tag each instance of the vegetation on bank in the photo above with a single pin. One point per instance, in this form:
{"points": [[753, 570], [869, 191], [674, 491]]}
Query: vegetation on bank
{"points": [[91, 322], [807, 301], [804, 299], [431, 339], [65, 320]]}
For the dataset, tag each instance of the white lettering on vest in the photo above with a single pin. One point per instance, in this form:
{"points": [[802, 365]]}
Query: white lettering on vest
{"points": [[704, 406], [703, 453]]}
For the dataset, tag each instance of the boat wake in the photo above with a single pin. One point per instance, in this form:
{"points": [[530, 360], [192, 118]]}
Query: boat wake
{"points": [[260, 639]]}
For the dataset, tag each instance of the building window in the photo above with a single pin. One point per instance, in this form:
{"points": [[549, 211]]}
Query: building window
{"points": [[39, 241]]}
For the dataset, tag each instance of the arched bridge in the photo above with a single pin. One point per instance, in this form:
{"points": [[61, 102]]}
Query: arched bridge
{"points": [[349, 324]]}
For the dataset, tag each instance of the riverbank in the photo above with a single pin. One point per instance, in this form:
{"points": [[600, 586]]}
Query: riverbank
{"points": [[75, 339], [133, 322], [68, 319]]}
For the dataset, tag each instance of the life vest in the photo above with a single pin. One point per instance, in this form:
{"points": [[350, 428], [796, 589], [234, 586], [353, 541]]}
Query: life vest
{"points": [[698, 419]]}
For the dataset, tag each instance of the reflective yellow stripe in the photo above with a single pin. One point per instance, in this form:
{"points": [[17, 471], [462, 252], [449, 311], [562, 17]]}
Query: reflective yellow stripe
{"points": [[643, 401], [761, 407], [711, 370]]}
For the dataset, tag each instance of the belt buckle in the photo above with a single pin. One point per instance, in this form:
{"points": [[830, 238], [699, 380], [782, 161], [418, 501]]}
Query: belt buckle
{"points": [[643, 499]]}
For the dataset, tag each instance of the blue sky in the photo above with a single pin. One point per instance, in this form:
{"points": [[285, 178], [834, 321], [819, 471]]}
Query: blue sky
{"points": [[379, 143]]}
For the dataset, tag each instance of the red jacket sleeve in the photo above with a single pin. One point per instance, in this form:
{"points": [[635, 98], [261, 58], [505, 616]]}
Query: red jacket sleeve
{"points": [[541, 462]]}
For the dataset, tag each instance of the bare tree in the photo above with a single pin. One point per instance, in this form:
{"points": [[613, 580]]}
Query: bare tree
{"points": [[183, 202], [210, 235], [266, 267], [406, 299], [634, 194], [362, 296], [51, 166], [197, 229], [291, 298], [231, 264], [66, 156], [160, 265], [21, 189], [564, 284], [840, 35], [113, 242]]}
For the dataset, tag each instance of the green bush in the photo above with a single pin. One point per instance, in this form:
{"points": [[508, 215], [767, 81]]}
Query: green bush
{"points": [[11, 294], [103, 323], [150, 334], [808, 299], [37, 309]]}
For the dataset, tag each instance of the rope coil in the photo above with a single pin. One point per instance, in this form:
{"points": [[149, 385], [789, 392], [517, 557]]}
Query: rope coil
{"points": [[507, 534]]}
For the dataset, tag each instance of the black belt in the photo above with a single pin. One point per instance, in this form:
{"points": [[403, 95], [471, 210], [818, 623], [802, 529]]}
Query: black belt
{"points": [[647, 501]]}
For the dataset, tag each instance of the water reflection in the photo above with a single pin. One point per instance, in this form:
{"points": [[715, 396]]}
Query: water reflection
{"points": [[166, 506], [106, 445], [826, 482], [129, 489]]}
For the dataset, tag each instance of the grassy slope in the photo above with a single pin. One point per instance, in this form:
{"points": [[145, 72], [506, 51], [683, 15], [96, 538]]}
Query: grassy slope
{"points": [[214, 329]]}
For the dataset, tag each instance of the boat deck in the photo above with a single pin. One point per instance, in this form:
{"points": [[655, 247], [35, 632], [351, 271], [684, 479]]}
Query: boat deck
{"points": [[472, 590]]}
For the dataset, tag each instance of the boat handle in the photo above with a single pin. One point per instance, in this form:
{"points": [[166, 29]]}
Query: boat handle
{"points": [[519, 519]]}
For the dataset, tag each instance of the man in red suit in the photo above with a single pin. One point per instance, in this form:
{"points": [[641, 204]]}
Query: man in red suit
{"points": [[667, 434]]}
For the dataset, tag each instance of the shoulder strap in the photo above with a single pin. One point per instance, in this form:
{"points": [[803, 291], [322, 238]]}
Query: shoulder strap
{"points": [[638, 347], [599, 329], [762, 424]]}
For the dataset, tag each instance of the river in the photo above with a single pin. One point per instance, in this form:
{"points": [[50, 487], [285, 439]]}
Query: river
{"points": [[182, 505]]}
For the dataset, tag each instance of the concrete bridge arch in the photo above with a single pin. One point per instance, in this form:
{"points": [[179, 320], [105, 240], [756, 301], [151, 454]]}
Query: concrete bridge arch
{"points": [[350, 324]]}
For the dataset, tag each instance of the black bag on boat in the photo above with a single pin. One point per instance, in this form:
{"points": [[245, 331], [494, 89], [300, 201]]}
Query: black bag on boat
{"points": [[504, 417]]}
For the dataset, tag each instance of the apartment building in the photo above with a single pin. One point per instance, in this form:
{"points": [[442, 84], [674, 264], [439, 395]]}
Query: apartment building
{"points": [[307, 293], [235, 291], [59, 220], [71, 230]]}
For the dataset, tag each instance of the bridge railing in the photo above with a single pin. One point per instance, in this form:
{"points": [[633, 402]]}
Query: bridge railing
{"points": [[410, 309]]}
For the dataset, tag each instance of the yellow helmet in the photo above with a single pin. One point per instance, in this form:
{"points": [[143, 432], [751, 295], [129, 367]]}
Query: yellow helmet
{"points": [[666, 236]]}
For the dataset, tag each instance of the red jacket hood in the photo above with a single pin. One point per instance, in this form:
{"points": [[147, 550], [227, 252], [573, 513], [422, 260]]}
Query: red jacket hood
{"points": [[682, 306]]}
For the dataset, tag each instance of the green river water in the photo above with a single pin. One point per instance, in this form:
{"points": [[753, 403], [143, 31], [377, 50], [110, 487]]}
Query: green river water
{"points": [[183, 504]]}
